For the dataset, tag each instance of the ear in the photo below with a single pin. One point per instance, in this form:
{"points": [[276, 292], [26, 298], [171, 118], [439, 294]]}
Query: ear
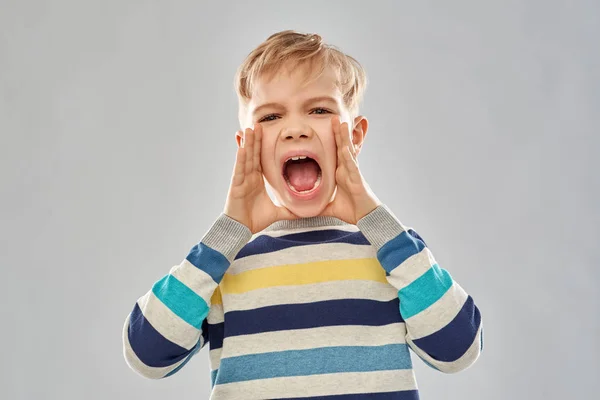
{"points": [[361, 125], [238, 138]]}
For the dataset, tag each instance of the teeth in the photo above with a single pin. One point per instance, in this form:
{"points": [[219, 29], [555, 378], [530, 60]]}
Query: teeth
{"points": [[296, 158]]}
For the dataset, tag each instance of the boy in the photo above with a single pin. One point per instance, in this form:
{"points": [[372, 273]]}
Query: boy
{"points": [[321, 293]]}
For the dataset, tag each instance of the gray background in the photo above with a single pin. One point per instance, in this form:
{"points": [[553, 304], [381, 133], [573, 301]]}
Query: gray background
{"points": [[117, 123]]}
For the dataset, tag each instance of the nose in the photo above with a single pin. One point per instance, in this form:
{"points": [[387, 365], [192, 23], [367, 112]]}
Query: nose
{"points": [[296, 133]]}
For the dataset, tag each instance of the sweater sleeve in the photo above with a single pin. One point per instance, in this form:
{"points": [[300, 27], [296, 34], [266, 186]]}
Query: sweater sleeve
{"points": [[443, 324], [168, 325]]}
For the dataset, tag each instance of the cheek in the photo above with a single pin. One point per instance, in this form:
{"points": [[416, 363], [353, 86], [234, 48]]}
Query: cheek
{"points": [[330, 149], [267, 159]]}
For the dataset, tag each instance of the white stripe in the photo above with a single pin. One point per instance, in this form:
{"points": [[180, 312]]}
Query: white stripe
{"points": [[411, 269], [137, 365], [465, 361], [301, 255], [196, 279], [439, 314], [317, 385], [215, 358], [215, 314], [300, 294], [312, 338], [167, 323]]}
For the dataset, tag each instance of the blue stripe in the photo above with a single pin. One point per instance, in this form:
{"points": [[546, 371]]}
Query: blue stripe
{"points": [[398, 250], [215, 333], [152, 348], [312, 315], [325, 360], [424, 291], [182, 300], [208, 260], [266, 244], [452, 341], [402, 395]]}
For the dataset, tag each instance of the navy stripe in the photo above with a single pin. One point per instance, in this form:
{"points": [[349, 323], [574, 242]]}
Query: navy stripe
{"points": [[195, 350], [204, 329], [208, 260], [402, 395], [452, 341], [215, 332], [312, 315], [266, 244], [414, 234], [152, 348]]}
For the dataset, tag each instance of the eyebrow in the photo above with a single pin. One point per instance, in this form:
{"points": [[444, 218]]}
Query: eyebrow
{"points": [[308, 101]]}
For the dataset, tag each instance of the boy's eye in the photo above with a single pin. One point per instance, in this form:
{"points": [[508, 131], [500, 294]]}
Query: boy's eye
{"points": [[320, 110], [267, 118]]}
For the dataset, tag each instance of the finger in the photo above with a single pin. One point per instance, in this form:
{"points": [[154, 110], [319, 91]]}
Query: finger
{"points": [[335, 122], [257, 147], [349, 159], [347, 137], [343, 149], [351, 166], [249, 146], [238, 170]]}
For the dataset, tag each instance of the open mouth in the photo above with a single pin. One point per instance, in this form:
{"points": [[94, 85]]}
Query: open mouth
{"points": [[302, 174]]}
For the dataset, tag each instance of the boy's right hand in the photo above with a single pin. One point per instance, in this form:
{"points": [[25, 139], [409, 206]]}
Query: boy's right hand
{"points": [[247, 199]]}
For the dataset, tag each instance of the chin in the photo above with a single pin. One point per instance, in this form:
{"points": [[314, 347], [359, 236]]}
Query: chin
{"points": [[306, 210]]}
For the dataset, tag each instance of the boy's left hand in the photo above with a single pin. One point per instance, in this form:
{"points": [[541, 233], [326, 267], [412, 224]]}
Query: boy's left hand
{"points": [[354, 198]]}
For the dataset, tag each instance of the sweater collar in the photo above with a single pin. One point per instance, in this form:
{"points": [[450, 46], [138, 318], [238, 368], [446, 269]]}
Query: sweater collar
{"points": [[310, 222]]}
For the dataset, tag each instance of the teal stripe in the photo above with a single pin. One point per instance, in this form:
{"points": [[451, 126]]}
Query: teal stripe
{"points": [[424, 291], [181, 300], [324, 360], [213, 377]]}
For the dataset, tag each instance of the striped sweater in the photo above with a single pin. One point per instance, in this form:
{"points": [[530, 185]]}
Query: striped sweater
{"points": [[309, 308]]}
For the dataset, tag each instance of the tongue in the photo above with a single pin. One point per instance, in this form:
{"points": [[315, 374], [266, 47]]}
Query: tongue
{"points": [[302, 174]]}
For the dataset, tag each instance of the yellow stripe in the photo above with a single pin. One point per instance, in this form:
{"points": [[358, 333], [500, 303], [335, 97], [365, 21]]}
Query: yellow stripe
{"points": [[302, 274], [216, 297]]}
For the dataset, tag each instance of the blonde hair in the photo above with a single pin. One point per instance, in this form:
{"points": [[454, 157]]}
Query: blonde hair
{"points": [[297, 48]]}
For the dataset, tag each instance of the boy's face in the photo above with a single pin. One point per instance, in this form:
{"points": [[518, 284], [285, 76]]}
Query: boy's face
{"points": [[296, 121]]}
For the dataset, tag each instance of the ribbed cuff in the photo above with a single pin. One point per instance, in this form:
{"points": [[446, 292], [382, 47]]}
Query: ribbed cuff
{"points": [[380, 226], [227, 236]]}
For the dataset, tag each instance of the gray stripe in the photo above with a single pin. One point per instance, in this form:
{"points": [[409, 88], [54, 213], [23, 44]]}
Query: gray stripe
{"points": [[310, 222], [227, 236], [380, 226]]}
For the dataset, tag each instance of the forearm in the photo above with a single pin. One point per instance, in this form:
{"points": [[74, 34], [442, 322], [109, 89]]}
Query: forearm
{"points": [[167, 325], [443, 323]]}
